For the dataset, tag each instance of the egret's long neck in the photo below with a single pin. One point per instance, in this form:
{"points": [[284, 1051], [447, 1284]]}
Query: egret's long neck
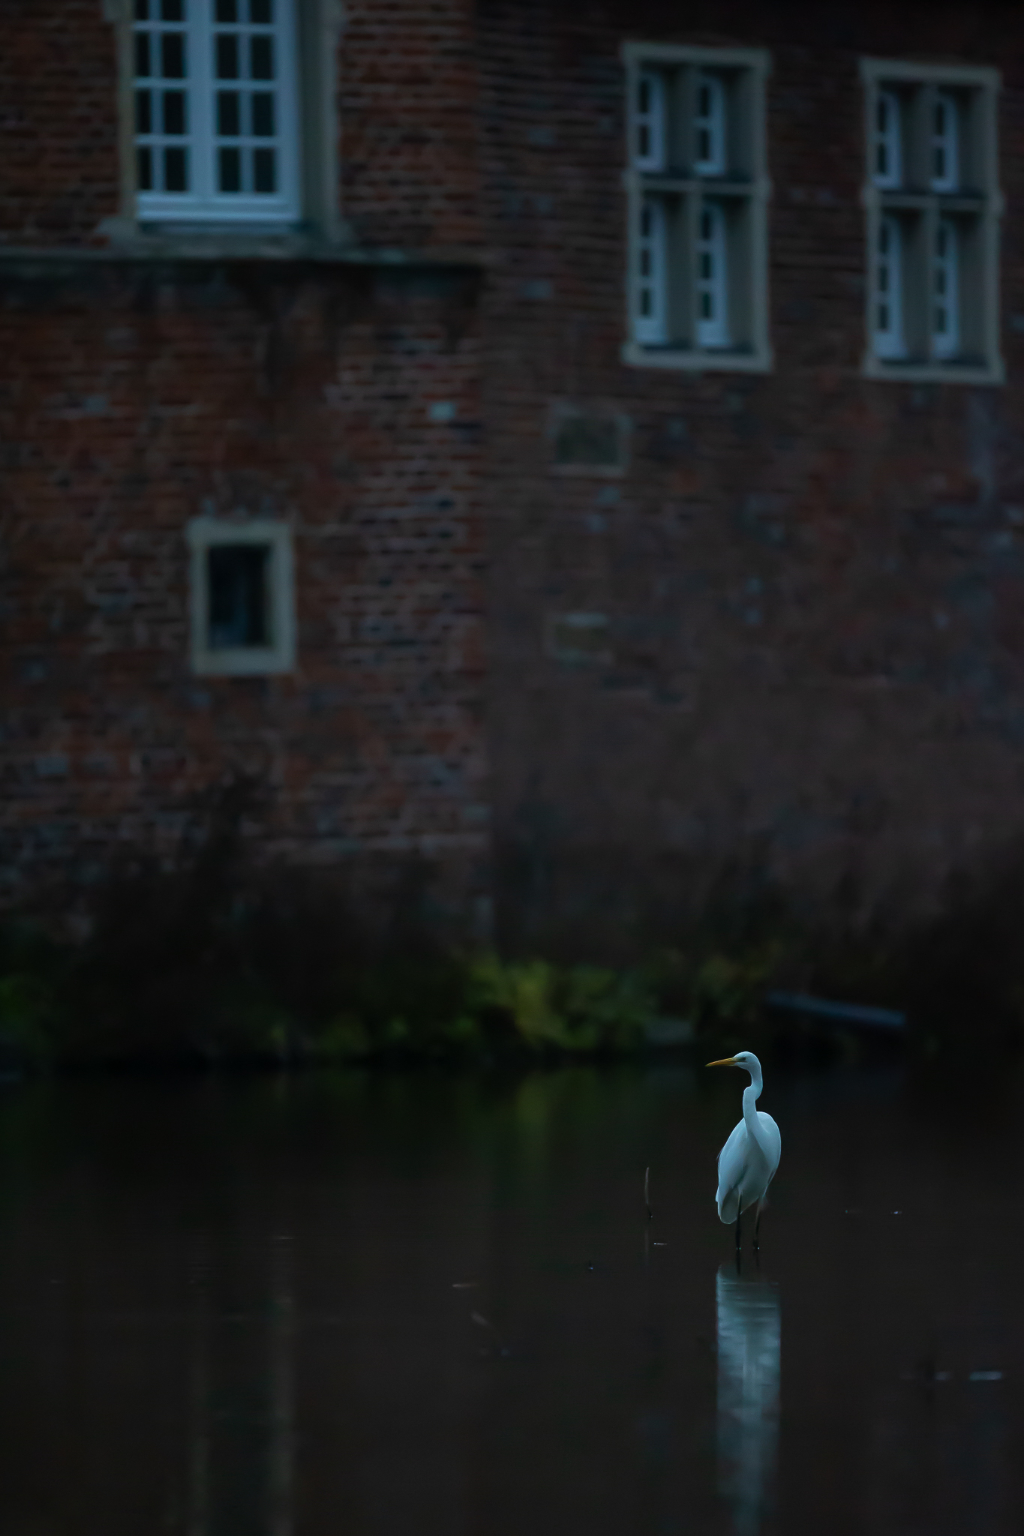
{"points": [[750, 1098]]}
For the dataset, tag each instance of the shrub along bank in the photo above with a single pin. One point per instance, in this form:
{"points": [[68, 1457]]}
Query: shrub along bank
{"points": [[203, 967], [283, 975]]}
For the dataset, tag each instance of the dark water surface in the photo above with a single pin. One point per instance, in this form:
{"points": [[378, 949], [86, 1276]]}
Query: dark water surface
{"points": [[381, 1305]]}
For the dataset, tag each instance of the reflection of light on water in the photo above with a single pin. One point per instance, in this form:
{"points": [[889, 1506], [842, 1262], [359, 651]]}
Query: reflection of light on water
{"points": [[749, 1337]]}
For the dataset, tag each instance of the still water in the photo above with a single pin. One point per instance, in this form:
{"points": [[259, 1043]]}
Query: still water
{"points": [[387, 1305]]}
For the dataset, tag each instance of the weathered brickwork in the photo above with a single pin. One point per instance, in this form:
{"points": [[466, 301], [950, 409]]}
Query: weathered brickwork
{"points": [[154, 396], [776, 622], [58, 122], [410, 123], [812, 583]]}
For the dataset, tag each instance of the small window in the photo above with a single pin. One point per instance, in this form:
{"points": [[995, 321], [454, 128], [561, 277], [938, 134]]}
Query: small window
{"points": [[710, 157], [933, 205], [887, 146], [945, 144], [946, 290], [712, 278], [242, 601], [650, 120], [238, 577], [215, 101], [889, 289], [697, 191], [651, 253]]}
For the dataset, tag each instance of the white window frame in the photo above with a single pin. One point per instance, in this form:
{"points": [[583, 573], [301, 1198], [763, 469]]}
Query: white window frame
{"points": [[649, 120], [887, 139], [203, 201], [206, 533], [946, 288], [963, 198], [651, 323], [712, 280], [946, 142], [888, 287], [710, 125], [731, 169]]}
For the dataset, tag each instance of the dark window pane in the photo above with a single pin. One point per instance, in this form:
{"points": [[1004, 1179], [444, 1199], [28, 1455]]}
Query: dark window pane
{"points": [[263, 115], [145, 169], [175, 171], [229, 124], [227, 56], [227, 11], [172, 55], [261, 12], [264, 170], [238, 595], [142, 54], [143, 112], [174, 112], [262, 58], [230, 170], [141, 10], [172, 10]]}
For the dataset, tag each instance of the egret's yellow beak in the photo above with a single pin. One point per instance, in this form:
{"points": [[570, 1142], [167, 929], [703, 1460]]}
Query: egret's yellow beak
{"points": [[727, 1061]]}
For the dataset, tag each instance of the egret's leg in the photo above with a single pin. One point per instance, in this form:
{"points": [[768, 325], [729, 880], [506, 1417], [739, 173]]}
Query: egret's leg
{"points": [[757, 1228], [738, 1213]]}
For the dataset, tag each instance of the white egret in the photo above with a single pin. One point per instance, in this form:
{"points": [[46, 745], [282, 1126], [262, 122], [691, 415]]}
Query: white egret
{"points": [[747, 1162]]}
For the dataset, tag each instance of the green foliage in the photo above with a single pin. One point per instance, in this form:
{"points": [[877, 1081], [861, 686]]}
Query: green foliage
{"points": [[425, 1005], [577, 1008], [167, 976], [344, 1038], [26, 1017], [717, 986], [729, 989]]}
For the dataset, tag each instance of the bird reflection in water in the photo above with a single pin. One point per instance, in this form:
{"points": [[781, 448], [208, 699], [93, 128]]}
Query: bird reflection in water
{"points": [[749, 1338]]}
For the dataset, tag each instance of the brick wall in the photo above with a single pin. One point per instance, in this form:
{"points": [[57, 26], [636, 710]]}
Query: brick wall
{"points": [[784, 631], [811, 585], [136, 395], [58, 122], [154, 395], [409, 122]]}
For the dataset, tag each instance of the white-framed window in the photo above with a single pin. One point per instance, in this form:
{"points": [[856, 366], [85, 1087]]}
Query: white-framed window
{"points": [[242, 600], [712, 276], [888, 288], [710, 151], [697, 191], [887, 140], [652, 260], [946, 290], [945, 142], [649, 120], [933, 206], [215, 99]]}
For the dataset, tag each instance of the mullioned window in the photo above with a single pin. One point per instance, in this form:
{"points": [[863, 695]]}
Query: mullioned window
{"points": [[697, 194], [933, 205]]}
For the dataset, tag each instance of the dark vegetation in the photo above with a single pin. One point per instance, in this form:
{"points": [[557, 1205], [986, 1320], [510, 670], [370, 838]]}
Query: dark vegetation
{"points": [[219, 961]]}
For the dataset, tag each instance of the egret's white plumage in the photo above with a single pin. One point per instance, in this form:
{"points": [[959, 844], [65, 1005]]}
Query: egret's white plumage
{"points": [[747, 1162]]}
